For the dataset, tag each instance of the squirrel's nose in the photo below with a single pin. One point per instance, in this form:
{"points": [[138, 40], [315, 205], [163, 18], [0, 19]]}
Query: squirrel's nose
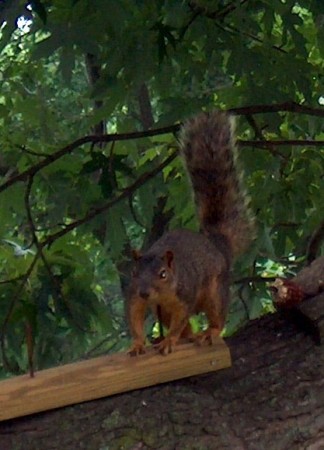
{"points": [[144, 294]]}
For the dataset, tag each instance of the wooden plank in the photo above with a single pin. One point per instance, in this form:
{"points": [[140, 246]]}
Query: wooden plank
{"points": [[104, 376]]}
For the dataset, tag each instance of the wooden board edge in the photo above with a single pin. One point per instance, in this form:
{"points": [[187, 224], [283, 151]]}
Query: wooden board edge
{"points": [[104, 376]]}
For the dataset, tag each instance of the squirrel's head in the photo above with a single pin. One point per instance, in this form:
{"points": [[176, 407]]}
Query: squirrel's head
{"points": [[153, 275]]}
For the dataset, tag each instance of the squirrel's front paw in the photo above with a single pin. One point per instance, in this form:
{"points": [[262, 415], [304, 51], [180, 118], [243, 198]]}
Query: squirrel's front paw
{"points": [[207, 337], [164, 347], [138, 348]]}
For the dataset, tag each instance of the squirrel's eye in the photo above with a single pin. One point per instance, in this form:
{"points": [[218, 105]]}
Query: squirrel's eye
{"points": [[163, 274]]}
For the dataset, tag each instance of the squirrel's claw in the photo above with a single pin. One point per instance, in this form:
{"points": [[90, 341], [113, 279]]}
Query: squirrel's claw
{"points": [[138, 348], [164, 347], [207, 336]]}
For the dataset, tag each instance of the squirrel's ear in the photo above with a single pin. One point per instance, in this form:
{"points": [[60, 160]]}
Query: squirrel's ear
{"points": [[136, 254], [168, 257]]}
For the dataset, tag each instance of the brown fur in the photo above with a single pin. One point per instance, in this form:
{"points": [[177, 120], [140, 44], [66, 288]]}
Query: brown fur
{"points": [[209, 150], [184, 272]]}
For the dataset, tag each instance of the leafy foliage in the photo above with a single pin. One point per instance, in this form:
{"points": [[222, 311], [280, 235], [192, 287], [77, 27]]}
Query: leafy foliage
{"points": [[73, 205]]}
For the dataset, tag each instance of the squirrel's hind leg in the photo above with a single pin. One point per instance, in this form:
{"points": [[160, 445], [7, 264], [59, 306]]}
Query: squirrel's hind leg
{"points": [[214, 305]]}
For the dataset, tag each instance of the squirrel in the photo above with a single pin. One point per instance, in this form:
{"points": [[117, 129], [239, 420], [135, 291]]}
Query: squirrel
{"points": [[185, 272]]}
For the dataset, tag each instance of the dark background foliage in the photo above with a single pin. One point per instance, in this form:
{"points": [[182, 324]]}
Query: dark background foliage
{"points": [[92, 95]]}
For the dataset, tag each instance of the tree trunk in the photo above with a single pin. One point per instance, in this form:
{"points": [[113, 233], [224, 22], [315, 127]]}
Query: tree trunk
{"points": [[271, 398]]}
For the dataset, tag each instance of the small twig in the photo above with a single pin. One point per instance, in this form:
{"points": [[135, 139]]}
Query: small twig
{"points": [[17, 293], [229, 9], [12, 280], [241, 297], [82, 141], [93, 351], [251, 36], [259, 135], [219, 14], [112, 173], [31, 152], [279, 225], [257, 131], [40, 248], [292, 107], [96, 211], [50, 227], [270, 143], [30, 347], [5, 362], [254, 279], [134, 213], [14, 300], [186, 27]]}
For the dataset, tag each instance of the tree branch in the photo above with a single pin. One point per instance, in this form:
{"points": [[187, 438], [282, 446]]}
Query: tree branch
{"points": [[12, 280], [96, 211], [247, 110], [292, 107], [78, 143], [254, 279], [271, 143], [237, 31], [259, 135], [219, 14]]}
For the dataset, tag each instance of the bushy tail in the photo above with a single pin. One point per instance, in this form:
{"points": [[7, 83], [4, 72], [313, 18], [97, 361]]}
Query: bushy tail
{"points": [[208, 147]]}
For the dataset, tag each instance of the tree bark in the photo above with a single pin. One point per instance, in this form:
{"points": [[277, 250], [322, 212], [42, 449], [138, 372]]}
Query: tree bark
{"points": [[271, 398]]}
